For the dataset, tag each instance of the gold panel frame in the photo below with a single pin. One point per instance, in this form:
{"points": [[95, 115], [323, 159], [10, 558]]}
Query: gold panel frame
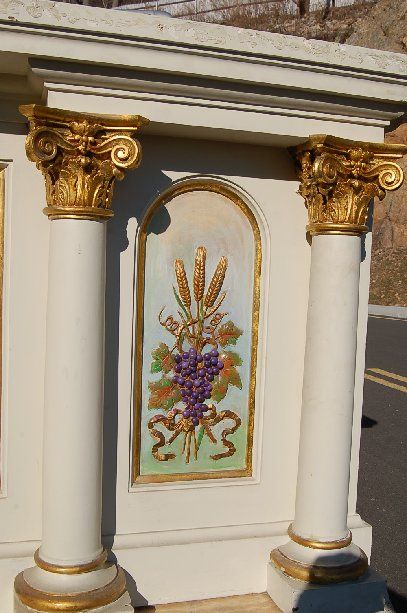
{"points": [[176, 190]]}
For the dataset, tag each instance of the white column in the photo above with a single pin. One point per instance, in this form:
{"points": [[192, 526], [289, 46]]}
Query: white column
{"points": [[319, 532], [328, 387], [338, 179], [72, 456], [81, 156], [72, 452]]}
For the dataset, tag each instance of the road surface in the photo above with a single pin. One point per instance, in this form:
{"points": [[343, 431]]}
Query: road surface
{"points": [[382, 494]]}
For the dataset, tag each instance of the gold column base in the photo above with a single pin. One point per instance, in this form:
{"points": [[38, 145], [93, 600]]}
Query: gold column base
{"points": [[95, 564], [82, 601], [314, 544], [315, 573]]}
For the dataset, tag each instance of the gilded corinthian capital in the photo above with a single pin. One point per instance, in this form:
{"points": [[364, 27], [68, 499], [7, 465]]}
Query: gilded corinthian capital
{"points": [[80, 156], [339, 178]]}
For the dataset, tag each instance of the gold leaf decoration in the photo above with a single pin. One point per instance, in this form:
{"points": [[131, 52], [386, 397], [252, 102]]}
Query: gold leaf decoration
{"points": [[339, 178], [81, 156], [182, 281], [216, 283], [199, 273]]}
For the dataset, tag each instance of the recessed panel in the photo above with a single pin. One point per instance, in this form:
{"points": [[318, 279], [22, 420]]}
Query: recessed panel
{"points": [[197, 317]]}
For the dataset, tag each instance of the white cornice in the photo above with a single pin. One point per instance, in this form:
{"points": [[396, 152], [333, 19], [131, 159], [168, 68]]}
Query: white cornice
{"points": [[255, 46], [209, 93], [201, 79]]}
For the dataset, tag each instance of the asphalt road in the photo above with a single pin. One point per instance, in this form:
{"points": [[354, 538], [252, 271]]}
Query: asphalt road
{"points": [[382, 494]]}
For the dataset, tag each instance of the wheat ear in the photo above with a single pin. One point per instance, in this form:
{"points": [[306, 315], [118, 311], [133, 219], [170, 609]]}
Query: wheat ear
{"points": [[182, 283], [216, 283], [199, 273]]}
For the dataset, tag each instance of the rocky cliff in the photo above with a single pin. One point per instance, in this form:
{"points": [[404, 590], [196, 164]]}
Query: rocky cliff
{"points": [[378, 25], [385, 27]]}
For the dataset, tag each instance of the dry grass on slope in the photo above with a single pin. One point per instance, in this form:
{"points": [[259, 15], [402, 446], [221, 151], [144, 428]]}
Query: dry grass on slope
{"points": [[335, 24]]}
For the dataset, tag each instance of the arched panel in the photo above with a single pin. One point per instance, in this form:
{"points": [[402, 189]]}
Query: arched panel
{"points": [[198, 286]]}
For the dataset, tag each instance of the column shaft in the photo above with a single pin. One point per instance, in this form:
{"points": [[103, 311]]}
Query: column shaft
{"points": [[81, 156], [74, 393], [338, 180], [328, 388]]}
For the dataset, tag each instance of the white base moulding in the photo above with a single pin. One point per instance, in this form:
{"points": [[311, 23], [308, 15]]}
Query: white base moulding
{"points": [[366, 595], [245, 572], [122, 605]]}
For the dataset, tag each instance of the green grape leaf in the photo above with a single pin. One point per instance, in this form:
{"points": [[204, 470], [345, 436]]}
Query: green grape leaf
{"points": [[227, 376], [163, 360], [200, 437], [228, 334], [164, 394], [231, 358], [219, 389], [233, 377]]}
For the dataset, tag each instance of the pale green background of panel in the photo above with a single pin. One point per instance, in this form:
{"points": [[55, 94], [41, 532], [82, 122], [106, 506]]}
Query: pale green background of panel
{"points": [[175, 231]]}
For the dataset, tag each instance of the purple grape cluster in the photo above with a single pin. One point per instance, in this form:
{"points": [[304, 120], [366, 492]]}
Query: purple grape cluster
{"points": [[194, 373]]}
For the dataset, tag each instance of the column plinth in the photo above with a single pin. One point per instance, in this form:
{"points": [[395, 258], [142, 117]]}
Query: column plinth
{"points": [[80, 156], [338, 179]]}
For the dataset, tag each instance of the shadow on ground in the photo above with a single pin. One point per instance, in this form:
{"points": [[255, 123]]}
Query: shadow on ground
{"points": [[398, 601], [368, 422]]}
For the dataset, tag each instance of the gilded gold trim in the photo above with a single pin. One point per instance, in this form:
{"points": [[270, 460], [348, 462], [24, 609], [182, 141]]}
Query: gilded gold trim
{"points": [[340, 177], [80, 213], [315, 573], [176, 190], [81, 156], [71, 570], [325, 545], [82, 601]]}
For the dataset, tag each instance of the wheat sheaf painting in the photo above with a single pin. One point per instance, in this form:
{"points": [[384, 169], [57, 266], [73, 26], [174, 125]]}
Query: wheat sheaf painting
{"points": [[198, 307]]}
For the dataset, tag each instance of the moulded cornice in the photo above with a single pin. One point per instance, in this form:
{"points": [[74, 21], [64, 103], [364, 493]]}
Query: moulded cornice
{"points": [[249, 83], [69, 17], [206, 92]]}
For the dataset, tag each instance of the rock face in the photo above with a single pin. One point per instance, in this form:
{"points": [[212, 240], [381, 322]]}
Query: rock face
{"points": [[385, 27], [388, 283], [390, 215]]}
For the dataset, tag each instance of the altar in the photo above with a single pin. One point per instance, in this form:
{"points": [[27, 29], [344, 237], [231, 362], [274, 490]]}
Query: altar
{"points": [[185, 249]]}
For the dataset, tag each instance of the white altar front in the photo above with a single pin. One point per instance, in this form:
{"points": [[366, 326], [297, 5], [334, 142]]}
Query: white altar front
{"points": [[256, 121]]}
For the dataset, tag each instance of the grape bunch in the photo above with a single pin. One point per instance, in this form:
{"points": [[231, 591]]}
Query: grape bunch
{"points": [[194, 373]]}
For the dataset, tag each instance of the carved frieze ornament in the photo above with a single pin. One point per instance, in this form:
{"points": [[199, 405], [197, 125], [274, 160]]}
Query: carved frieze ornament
{"points": [[340, 177], [80, 156]]}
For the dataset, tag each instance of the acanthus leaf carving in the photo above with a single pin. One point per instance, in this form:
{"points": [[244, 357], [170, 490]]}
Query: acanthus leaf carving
{"points": [[339, 178], [81, 156]]}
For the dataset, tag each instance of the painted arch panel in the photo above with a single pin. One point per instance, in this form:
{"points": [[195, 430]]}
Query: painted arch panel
{"points": [[198, 279]]}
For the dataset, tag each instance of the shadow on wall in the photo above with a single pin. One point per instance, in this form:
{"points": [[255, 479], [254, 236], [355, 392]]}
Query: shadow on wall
{"points": [[177, 157], [131, 200]]}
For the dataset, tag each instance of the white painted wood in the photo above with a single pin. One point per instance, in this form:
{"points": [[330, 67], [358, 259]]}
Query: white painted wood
{"points": [[74, 369], [24, 307], [321, 508], [169, 538], [74, 366], [328, 389], [223, 102]]}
